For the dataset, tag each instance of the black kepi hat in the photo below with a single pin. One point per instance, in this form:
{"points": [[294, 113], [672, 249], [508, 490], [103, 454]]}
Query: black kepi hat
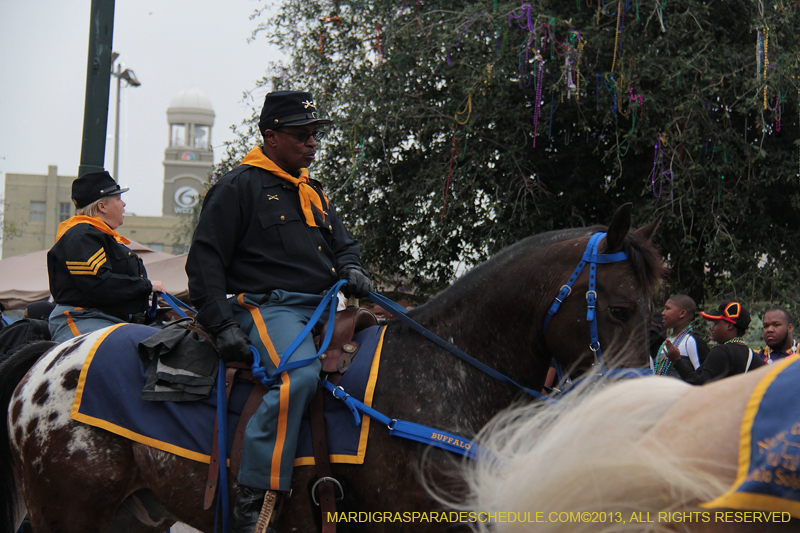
{"points": [[732, 312], [92, 186], [289, 108]]}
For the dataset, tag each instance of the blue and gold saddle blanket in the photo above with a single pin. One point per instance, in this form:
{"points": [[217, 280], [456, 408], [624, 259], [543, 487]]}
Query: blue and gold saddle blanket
{"points": [[113, 375], [768, 476]]}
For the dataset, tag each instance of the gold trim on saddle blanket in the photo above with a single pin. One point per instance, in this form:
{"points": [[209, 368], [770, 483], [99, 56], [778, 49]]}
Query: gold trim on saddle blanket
{"points": [[203, 458], [746, 501]]}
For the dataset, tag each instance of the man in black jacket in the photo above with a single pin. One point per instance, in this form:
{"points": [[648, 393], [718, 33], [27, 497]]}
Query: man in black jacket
{"points": [[729, 357], [268, 235], [95, 280]]}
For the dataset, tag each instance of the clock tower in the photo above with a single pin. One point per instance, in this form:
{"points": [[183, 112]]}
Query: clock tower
{"points": [[189, 157]]}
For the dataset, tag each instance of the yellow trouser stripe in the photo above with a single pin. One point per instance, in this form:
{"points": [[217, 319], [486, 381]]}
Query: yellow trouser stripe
{"points": [[262, 329], [71, 323], [280, 439]]}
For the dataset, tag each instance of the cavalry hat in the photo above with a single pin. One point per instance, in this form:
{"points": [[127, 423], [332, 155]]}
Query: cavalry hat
{"points": [[92, 186], [732, 312], [289, 108]]}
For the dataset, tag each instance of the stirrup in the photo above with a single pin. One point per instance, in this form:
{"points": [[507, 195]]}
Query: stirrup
{"points": [[270, 499]]}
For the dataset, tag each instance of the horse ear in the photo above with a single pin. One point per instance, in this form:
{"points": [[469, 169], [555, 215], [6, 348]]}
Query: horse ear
{"points": [[618, 229], [646, 232]]}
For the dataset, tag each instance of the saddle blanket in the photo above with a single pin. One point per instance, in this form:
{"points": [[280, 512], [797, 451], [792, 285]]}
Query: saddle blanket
{"points": [[113, 375], [768, 477]]}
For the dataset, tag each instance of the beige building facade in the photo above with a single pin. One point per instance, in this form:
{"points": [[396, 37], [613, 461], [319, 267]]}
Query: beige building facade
{"points": [[35, 204]]}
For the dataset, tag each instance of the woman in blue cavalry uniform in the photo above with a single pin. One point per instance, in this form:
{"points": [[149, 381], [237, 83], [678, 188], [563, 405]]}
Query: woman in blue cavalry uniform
{"points": [[95, 280]]}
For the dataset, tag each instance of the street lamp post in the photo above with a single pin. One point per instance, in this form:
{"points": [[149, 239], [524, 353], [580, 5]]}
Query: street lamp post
{"points": [[129, 77]]}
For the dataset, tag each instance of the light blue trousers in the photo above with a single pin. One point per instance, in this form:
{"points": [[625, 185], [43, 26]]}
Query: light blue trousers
{"points": [[270, 440], [67, 322]]}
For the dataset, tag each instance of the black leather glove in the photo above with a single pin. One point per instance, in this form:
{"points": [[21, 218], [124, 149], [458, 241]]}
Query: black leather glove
{"points": [[232, 342], [358, 283]]}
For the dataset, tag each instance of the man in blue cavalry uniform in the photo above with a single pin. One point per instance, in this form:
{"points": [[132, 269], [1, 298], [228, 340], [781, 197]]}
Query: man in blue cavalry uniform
{"points": [[268, 235], [95, 280]]}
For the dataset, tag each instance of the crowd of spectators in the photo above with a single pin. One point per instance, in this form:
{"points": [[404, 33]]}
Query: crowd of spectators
{"points": [[684, 354]]}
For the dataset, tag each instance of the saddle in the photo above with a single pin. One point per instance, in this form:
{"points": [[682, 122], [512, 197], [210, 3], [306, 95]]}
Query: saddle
{"points": [[342, 348], [335, 361]]}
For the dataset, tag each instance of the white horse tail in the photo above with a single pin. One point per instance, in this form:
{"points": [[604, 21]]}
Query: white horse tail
{"points": [[556, 464]]}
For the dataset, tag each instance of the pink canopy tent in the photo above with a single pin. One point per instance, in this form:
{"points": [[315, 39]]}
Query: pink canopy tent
{"points": [[23, 278]]}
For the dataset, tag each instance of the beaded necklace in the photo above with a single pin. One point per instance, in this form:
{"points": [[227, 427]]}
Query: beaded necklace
{"points": [[662, 366], [791, 351], [735, 340]]}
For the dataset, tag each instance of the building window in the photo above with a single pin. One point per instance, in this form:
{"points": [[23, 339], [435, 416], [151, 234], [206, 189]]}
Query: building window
{"points": [[156, 246], [178, 135], [64, 211], [38, 211], [201, 136], [178, 249]]}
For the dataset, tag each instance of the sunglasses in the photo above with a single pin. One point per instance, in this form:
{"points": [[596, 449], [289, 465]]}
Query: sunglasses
{"points": [[303, 137]]}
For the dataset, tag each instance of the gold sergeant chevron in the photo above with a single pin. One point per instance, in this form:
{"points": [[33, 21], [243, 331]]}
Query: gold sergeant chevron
{"points": [[90, 267]]}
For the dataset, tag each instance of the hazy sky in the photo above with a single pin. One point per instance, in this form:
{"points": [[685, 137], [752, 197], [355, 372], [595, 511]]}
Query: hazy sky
{"points": [[171, 45]]}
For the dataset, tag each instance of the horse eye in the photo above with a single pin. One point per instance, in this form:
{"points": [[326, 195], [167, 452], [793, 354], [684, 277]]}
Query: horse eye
{"points": [[623, 314]]}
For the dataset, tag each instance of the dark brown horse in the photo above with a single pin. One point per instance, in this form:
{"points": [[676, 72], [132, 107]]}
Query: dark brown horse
{"points": [[76, 478]]}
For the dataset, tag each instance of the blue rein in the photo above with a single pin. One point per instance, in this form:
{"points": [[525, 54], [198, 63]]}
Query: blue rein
{"points": [[401, 314], [329, 300]]}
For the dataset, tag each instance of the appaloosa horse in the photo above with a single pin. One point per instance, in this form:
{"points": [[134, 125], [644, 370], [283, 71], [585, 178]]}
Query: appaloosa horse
{"points": [[76, 478]]}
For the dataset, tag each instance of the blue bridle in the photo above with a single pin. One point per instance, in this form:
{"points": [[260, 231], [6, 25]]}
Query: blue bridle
{"points": [[592, 258]]}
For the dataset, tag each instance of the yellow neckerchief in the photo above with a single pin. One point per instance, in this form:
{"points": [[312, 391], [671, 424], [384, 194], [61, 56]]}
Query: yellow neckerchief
{"points": [[96, 222], [308, 195]]}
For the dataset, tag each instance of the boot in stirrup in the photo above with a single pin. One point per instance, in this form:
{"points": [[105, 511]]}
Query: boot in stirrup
{"points": [[253, 509]]}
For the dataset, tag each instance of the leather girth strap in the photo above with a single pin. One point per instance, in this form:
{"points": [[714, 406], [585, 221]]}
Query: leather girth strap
{"points": [[213, 466], [319, 438]]}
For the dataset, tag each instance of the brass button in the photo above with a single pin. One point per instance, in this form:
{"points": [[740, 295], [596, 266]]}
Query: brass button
{"points": [[129, 254], [333, 270], [330, 228], [283, 217], [319, 248]]}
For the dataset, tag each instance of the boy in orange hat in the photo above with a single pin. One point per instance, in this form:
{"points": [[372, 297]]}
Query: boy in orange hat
{"points": [[730, 356]]}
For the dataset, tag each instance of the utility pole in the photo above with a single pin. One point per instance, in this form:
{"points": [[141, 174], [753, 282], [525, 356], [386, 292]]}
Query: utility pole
{"points": [[98, 84], [129, 76]]}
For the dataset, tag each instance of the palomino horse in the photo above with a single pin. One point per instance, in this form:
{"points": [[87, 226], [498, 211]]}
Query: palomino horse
{"points": [[76, 478], [638, 455]]}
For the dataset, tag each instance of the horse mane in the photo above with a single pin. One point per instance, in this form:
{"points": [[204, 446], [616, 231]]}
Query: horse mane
{"points": [[586, 454], [644, 260], [12, 370]]}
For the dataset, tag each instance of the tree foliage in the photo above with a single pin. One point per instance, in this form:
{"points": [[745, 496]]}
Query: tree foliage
{"points": [[462, 127], [8, 230]]}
